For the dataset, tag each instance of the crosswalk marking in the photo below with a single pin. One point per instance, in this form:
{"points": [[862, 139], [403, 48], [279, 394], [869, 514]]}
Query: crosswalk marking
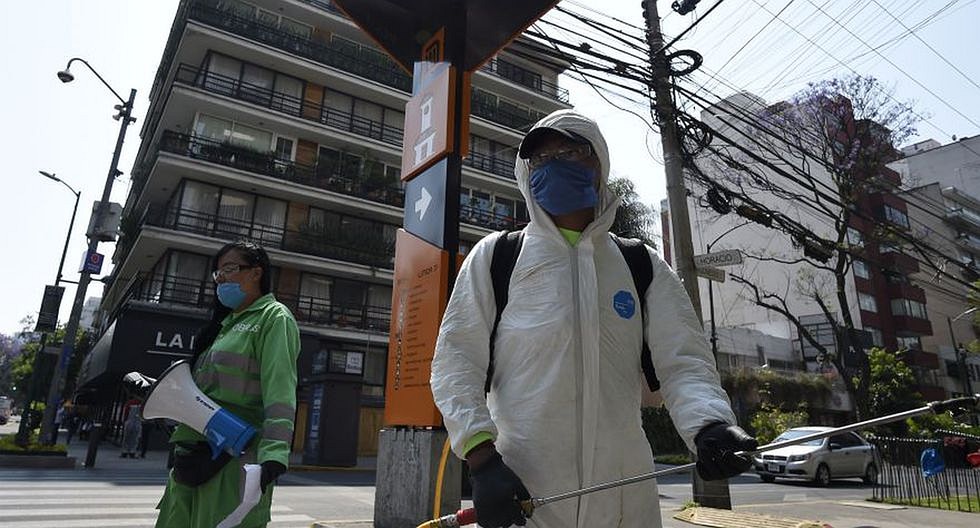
{"points": [[74, 512], [141, 522]]}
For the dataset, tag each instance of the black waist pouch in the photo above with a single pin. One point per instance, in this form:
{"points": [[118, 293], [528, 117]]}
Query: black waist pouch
{"points": [[193, 464]]}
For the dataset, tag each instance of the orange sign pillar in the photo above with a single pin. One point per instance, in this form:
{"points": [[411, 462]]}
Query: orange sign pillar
{"points": [[426, 260]]}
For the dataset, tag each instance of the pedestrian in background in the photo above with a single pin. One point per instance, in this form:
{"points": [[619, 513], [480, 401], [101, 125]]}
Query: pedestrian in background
{"points": [[132, 426]]}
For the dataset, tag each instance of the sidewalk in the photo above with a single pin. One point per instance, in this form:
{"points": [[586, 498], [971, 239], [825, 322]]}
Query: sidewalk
{"points": [[848, 514]]}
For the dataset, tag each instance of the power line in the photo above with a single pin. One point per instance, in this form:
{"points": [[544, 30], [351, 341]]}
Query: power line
{"points": [[899, 68], [926, 44]]}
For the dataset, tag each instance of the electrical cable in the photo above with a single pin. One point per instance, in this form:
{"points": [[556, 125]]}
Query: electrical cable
{"points": [[926, 44]]}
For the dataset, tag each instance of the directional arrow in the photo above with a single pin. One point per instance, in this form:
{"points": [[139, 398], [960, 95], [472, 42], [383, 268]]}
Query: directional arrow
{"points": [[422, 204]]}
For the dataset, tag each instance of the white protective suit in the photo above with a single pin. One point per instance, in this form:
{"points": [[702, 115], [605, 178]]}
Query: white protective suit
{"points": [[564, 404]]}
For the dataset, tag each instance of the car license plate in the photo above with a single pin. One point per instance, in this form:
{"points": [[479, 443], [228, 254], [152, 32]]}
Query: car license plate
{"points": [[773, 468]]}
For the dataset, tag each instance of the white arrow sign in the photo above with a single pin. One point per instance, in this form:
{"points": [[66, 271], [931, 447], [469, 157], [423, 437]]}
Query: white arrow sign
{"points": [[729, 257], [422, 204]]}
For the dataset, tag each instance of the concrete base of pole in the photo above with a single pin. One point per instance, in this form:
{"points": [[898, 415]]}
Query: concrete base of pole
{"points": [[408, 468], [711, 494]]}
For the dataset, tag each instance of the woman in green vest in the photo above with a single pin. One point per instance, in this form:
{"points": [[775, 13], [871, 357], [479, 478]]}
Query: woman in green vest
{"points": [[246, 362]]}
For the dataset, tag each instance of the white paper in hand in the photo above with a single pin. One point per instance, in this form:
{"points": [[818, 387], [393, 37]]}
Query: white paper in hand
{"points": [[252, 492]]}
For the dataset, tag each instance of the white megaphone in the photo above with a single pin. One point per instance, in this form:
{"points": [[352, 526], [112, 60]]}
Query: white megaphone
{"points": [[175, 396]]}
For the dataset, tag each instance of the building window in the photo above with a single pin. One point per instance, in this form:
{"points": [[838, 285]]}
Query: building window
{"points": [[910, 308], [886, 247], [867, 302], [854, 237], [877, 339], [896, 278], [896, 217], [861, 269], [910, 343]]}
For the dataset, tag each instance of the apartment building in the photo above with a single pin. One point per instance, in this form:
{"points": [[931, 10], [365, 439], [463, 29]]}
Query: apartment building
{"points": [[946, 181], [880, 295], [278, 121]]}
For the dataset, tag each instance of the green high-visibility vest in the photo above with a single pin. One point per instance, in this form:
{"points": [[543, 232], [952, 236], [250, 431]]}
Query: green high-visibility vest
{"points": [[250, 369]]}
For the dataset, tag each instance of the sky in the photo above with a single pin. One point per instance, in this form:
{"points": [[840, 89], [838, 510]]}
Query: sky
{"points": [[67, 129]]}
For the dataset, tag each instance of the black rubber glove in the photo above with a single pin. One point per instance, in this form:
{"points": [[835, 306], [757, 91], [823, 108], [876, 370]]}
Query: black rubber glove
{"points": [[138, 384], [717, 444], [497, 491], [271, 470]]}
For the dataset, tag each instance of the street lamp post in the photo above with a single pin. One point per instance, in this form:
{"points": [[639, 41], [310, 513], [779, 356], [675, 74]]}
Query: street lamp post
{"points": [[711, 293], [71, 329], [23, 430]]}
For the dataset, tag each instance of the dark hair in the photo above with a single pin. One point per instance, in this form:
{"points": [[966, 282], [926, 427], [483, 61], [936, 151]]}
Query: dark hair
{"points": [[253, 255]]}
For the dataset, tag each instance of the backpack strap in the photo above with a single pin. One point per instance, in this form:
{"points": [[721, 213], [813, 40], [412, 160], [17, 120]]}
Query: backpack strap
{"points": [[505, 252], [641, 268]]}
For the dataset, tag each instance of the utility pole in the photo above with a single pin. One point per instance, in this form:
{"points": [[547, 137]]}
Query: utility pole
{"points": [[712, 494], [71, 329]]}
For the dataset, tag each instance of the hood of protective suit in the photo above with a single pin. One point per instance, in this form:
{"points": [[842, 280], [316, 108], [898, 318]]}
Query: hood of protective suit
{"points": [[578, 124]]}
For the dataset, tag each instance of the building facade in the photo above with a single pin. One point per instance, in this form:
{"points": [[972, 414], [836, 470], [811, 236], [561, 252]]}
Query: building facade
{"points": [[279, 122], [947, 183], [879, 293]]}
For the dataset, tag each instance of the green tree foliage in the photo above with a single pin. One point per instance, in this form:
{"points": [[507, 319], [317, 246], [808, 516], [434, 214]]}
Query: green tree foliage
{"points": [[634, 219], [23, 366], [890, 389], [770, 421]]}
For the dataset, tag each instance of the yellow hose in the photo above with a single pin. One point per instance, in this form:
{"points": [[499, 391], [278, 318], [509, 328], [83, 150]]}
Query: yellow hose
{"points": [[437, 507]]}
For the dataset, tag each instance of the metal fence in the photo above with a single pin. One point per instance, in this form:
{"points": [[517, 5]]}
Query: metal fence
{"points": [[902, 480]]}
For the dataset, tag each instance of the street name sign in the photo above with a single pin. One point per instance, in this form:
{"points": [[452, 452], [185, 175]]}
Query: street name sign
{"points": [[712, 274], [729, 257]]}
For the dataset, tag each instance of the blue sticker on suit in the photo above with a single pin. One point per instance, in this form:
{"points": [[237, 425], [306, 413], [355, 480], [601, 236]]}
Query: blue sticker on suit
{"points": [[624, 304]]}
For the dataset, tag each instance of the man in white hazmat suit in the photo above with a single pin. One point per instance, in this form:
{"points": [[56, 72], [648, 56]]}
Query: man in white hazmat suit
{"points": [[563, 411]]}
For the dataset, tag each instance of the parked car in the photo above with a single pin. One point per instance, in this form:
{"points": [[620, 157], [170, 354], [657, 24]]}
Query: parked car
{"points": [[842, 455]]}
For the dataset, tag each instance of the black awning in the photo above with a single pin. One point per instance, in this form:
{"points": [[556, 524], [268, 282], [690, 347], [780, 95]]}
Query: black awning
{"points": [[141, 339]]}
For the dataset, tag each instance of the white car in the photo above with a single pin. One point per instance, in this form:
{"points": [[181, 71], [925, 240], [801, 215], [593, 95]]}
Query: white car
{"points": [[842, 455]]}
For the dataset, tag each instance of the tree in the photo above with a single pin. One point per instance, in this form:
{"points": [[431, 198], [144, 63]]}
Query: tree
{"points": [[890, 388], [634, 219], [22, 368], [826, 150]]}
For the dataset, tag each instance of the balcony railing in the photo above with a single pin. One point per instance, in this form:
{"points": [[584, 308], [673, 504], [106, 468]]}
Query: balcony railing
{"points": [[319, 311], [288, 104], [359, 246], [334, 179], [487, 163], [509, 115], [525, 78], [376, 67], [485, 218], [172, 289]]}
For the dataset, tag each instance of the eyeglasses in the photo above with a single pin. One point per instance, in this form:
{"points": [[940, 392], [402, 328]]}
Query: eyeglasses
{"points": [[228, 269], [576, 153]]}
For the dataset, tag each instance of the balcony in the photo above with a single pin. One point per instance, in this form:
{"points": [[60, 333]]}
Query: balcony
{"points": [[487, 106], [300, 108], [899, 261], [490, 220], [486, 163], [288, 104], [964, 218], [906, 291], [336, 179], [322, 312], [920, 358], [526, 78], [368, 248], [376, 67], [166, 290], [909, 326]]}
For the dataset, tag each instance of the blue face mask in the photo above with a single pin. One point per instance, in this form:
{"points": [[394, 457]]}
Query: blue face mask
{"points": [[231, 295], [561, 186]]}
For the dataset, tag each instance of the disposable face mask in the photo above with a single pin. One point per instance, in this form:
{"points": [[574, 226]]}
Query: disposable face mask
{"points": [[561, 187], [230, 294]]}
